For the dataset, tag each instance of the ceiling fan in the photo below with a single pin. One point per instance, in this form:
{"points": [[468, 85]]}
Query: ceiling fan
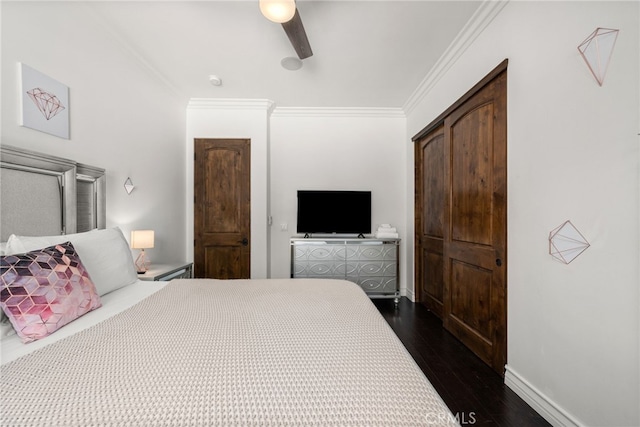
{"points": [[286, 13]]}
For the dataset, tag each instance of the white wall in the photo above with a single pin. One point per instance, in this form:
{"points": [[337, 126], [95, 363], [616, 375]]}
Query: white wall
{"points": [[210, 118], [573, 154], [122, 117], [334, 149], [573, 330]]}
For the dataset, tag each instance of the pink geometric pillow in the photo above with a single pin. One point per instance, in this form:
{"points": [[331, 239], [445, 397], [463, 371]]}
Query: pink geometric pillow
{"points": [[43, 290]]}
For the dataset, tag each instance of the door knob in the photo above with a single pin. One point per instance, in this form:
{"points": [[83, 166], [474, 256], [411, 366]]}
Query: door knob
{"points": [[245, 242], [498, 262]]}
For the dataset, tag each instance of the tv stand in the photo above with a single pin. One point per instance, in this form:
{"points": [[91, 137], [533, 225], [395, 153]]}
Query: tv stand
{"points": [[371, 263]]}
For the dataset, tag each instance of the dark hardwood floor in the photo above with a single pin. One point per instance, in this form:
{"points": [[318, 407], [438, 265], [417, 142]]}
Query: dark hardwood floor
{"points": [[470, 388]]}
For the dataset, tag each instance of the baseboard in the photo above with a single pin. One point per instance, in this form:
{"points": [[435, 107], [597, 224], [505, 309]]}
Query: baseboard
{"points": [[546, 407], [408, 293]]}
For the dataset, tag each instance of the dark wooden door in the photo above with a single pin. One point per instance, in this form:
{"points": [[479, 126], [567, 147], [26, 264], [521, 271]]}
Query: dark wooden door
{"points": [[461, 218], [475, 267], [222, 208], [430, 194]]}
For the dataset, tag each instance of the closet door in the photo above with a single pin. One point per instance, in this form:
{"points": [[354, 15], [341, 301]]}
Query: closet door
{"points": [[461, 218], [474, 305], [430, 194]]}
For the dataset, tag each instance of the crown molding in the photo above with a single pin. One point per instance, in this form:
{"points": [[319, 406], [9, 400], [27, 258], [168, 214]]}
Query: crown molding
{"points": [[482, 17], [231, 104], [338, 112], [270, 107]]}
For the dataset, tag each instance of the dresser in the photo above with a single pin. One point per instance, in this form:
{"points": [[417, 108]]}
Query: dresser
{"points": [[371, 263]]}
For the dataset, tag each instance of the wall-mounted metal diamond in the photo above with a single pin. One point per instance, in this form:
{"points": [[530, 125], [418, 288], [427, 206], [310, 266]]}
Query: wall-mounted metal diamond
{"points": [[566, 242], [596, 50], [128, 186]]}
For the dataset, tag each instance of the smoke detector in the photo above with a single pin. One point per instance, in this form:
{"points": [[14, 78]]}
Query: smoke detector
{"points": [[291, 63]]}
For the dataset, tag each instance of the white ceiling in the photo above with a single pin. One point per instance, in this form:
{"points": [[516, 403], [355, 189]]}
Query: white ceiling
{"points": [[366, 53]]}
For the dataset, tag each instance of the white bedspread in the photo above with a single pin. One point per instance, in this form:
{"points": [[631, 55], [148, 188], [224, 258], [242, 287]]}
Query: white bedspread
{"points": [[242, 353], [112, 303]]}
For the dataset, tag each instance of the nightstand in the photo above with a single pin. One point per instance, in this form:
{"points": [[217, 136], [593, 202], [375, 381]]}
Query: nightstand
{"points": [[166, 272]]}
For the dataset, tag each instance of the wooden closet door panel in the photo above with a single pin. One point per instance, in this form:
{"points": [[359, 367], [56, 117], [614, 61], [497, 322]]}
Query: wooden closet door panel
{"points": [[474, 305], [430, 195]]}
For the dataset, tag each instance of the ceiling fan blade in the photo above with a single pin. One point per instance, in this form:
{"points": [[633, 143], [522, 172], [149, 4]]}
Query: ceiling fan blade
{"points": [[297, 36]]}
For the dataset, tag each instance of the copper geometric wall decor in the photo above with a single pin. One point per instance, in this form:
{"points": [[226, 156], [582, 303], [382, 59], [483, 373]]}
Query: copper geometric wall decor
{"points": [[596, 50], [566, 242]]}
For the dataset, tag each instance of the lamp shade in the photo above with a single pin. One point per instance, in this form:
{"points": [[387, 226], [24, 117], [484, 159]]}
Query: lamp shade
{"points": [[279, 11], [142, 239]]}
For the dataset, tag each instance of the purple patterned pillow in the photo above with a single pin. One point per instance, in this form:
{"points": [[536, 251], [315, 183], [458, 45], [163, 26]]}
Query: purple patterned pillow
{"points": [[43, 290]]}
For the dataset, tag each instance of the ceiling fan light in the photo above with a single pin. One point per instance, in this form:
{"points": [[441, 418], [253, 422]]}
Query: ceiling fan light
{"points": [[279, 11]]}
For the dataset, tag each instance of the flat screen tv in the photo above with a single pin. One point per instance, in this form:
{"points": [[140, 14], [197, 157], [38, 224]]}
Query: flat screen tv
{"points": [[334, 212]]}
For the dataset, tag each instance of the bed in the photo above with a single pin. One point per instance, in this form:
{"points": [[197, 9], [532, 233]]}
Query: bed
{"points": [[196, 352]]}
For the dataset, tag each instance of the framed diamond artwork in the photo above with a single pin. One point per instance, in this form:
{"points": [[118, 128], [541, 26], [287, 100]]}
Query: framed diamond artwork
{"points": [[44, 103]]}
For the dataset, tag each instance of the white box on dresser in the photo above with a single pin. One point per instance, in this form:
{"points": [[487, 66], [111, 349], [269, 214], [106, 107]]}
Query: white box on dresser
{"points": [[371, 263]]}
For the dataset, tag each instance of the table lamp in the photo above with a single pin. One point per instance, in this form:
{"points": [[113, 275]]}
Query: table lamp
{"points": [[142, 239]]}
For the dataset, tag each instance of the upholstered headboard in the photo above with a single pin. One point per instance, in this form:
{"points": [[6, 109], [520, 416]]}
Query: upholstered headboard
{"points": [[44, 195]]}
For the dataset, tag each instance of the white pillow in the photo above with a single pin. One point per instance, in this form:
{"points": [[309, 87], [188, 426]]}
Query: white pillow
{"points": [[104, 253], [6, 328]]}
